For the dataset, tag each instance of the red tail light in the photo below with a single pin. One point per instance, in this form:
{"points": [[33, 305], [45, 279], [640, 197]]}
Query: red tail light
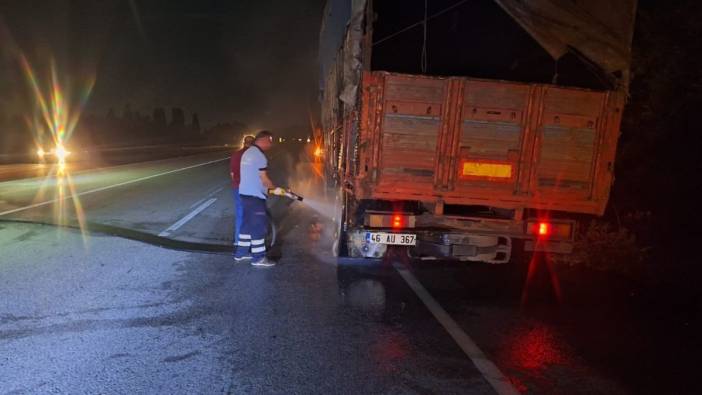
{"points": [[550, 230], [544, 229], [389, 220]]}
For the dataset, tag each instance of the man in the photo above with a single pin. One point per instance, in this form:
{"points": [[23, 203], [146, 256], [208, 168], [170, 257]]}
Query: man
{"points": [[253, 190], [235, 174]]}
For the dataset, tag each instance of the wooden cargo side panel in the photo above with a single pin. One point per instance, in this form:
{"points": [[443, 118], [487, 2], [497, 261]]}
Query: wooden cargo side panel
{"points": [[411, 120], [421, 135], [604, 169], [568, 140], [489, 152]]}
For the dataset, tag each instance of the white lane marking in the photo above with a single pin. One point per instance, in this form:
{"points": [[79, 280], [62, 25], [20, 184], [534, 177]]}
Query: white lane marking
{"points": [[487, 368], [187, 218], [35, 205], [216, 191], [198, 202]]}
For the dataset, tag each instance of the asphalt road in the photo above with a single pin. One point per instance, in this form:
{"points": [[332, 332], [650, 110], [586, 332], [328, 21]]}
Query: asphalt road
{"points": [[138, 293]]}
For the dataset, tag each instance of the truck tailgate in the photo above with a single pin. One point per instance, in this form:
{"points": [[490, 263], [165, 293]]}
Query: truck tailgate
{"points": [[495, 143]]}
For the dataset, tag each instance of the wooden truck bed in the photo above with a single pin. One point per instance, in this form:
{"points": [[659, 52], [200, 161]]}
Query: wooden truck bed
{"points": [[484, 142]]}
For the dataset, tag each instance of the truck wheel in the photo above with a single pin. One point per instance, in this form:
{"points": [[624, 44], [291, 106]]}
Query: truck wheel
{"points": [[339, 247], [271, 234]]}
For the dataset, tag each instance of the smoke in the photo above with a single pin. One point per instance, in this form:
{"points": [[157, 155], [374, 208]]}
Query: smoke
{"points": [[308, 181], [270, 60], [321, 216]]}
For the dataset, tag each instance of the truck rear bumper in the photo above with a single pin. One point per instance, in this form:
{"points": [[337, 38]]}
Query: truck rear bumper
{"points": [[491, 249], [459, 245], [440, 245]]}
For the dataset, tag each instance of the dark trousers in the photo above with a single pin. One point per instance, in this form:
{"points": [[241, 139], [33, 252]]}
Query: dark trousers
{"points": [[238, 215], [252, 238]]}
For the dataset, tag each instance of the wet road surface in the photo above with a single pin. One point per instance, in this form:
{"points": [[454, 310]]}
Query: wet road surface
{"points": [[88, 312]]}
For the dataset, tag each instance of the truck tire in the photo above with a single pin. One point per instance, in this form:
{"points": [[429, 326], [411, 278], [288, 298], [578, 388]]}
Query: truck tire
{"points": [[339, 245], [272, 232], [339, 248]]}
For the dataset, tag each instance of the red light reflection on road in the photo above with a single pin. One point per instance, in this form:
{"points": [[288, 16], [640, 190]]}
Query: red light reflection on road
{"points": [[535, 348], [390, 349], [537, 264], [529, 354]]}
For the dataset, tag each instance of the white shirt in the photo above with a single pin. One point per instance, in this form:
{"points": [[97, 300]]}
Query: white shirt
{"points": [[252, 162]]}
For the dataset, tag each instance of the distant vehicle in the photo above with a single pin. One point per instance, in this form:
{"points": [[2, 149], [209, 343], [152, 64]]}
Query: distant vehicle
{"points": [[57, 154], [458, 143]]}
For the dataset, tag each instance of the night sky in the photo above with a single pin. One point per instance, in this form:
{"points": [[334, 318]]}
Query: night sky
{"points": [[247, 61]]}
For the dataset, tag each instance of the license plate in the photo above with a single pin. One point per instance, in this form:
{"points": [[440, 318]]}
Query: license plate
{"points": [[401, 239]]}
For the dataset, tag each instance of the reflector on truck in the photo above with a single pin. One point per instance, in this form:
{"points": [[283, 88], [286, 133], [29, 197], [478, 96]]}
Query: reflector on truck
{"points": [[550, 230], [483, 169], [375, 219]]}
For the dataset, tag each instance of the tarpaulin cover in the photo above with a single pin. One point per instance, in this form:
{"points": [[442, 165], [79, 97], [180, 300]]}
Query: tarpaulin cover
{"points": [[336, 18], [331, 36], [600, 30]]}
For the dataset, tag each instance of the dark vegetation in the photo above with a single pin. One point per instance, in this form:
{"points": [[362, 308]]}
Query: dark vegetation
{"points": [[657, 193]]}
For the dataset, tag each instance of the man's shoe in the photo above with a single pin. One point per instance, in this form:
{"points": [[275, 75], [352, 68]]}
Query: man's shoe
{"points": [[242, 258], [263, 262]]}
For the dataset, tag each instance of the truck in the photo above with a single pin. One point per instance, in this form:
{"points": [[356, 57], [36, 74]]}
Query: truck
{"points": [[470, 130]]}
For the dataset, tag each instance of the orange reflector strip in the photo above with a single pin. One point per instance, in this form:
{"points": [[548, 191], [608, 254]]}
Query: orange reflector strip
{"points": [[480, 169], [375, 221]]}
